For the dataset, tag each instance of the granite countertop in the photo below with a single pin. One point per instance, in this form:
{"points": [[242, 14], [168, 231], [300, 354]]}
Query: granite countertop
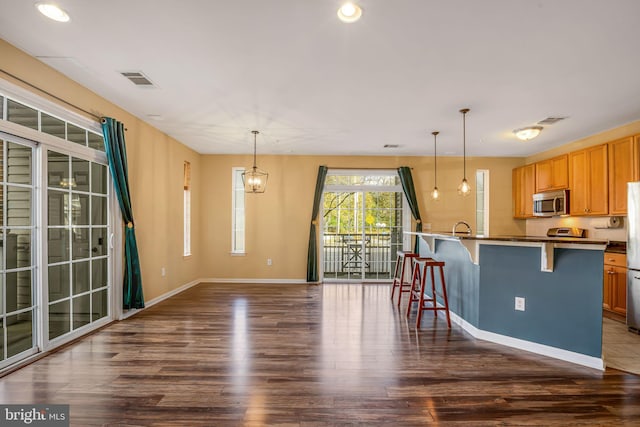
{"points": [[503, 238], [617, 247]]}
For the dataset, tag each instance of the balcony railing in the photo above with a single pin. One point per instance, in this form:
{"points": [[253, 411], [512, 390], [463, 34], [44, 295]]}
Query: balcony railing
{"points": [[346, 255]]}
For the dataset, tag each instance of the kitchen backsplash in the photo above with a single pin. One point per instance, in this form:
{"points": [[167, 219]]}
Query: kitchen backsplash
{"points": [[539, 226]]}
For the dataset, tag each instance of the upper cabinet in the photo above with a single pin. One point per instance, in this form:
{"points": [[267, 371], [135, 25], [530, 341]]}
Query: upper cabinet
{"points": [[623, 168], [552, 174], [588, 181], [523, 189]]}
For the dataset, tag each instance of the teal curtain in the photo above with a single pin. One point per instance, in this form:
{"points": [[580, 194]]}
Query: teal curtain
{"points": [[410, 192], [115, 147], [312, 254]]}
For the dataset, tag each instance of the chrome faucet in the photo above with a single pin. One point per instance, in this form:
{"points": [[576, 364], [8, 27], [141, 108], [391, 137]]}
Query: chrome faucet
{"points": [[461, 223]]}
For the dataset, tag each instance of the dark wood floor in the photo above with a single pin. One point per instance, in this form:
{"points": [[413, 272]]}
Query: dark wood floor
{"points": [[297, 355]]}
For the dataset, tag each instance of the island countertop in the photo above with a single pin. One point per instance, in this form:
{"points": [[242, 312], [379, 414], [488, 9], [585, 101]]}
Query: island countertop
{"points": [[547, 245], [508, 238]]}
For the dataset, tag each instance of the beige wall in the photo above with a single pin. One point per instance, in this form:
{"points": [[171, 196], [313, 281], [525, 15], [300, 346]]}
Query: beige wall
{"points": [[155, 173], [277, 222]]}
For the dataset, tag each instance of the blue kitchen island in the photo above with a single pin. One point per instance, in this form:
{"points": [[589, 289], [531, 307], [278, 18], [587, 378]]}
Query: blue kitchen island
{"points": [[559, 279]]}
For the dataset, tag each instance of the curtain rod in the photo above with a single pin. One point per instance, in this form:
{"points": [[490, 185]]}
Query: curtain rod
{"points": [[98, 118], [366, 169]]}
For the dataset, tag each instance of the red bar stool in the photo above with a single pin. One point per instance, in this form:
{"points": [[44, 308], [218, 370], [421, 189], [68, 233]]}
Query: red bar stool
{"points": [[421, 269], [404, 258]]}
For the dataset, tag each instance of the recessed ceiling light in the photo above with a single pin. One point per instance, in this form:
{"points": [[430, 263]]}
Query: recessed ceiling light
{"points": [[525, 134], [349, 12], [53, 11]]}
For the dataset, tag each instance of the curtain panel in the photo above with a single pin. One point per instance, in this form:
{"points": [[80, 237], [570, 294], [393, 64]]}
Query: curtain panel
{"points": [[115, 147], [406, 179], [312, 254]]}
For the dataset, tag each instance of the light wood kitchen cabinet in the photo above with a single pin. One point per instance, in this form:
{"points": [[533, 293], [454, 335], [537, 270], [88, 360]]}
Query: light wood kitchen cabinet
{"points": [[614, 297], [623, 168], [552, 174], [589, 181], [523, 189]]}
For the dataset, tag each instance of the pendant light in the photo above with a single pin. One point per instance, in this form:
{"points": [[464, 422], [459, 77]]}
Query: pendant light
{"points": [[435, 194], [464, 189], [255, 181]]}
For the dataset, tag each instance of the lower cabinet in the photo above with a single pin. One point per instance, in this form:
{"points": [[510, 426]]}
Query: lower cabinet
{"points": [[615, 283]]}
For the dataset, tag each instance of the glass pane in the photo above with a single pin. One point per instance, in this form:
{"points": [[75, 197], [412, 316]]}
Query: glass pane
{"points": [[99, 305], [18, 163], [99, 241], [80, 277], [1, 339], [81, 311], [76, 134], [58, 243], [52, 125], [98, 178], [18, 206], [18, 247], [19, 333], [59, 319], [18, 290], [1, 297], [80, 171], [79, 209], [58, 282], [80, 245], [96, 142], [98, 210], [21, 114], [57, 201], [58, 170], [99, 273]]}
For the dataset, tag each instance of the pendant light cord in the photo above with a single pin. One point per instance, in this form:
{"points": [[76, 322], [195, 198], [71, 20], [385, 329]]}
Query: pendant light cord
{"points": [[255, 133], [435, 160], [464, 112]]}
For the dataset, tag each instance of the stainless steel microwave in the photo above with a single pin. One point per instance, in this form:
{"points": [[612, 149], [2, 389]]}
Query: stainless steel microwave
{"points": [[551, 203]]}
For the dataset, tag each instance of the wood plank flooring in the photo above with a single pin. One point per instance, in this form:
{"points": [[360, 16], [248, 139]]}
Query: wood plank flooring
{"points": [[298, 355]]}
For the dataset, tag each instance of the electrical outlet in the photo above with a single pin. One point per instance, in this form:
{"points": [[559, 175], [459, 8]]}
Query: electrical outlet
{"points": [[519, 303], [269, 261], [163, 271]]}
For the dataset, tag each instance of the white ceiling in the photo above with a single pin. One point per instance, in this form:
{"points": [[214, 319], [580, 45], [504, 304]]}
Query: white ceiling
{"points": [[314, 85]]}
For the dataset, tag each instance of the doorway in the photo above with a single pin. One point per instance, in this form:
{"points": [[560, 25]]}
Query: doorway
{"points": [[364, 216]]}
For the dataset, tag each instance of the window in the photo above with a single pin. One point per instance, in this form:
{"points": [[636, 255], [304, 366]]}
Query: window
{"points": [[237, 211], [187, 208], [482, 202], [17, 112]]}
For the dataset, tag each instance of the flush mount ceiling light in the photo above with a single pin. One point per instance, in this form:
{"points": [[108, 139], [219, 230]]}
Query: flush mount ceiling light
{"points": [[525, 134], [464, 189], [53, 11], [435, 194], [349, 12], [255, 180]]}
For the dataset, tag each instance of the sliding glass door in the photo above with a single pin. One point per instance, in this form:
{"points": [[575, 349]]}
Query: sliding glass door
{"points": [[363, 219], [77, 227], [55, 229]]}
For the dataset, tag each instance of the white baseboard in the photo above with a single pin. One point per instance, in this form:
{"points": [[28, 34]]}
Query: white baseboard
{"points": [[272, 281], [544, 350]]}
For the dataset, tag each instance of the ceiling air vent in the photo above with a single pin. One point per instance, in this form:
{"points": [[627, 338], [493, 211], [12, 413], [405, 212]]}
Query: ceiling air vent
{"points": [[391, 146], [550, 120], [137, 78]]}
